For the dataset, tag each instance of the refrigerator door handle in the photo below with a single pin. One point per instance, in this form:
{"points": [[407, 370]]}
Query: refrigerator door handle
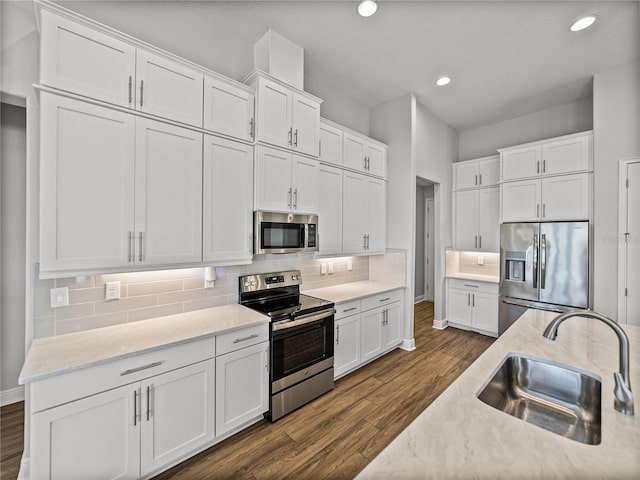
{"points": [[543, 259], [535, 260]]}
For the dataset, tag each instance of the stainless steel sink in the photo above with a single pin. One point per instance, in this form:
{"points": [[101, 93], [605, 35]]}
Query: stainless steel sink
{"points": [[559, 398]]}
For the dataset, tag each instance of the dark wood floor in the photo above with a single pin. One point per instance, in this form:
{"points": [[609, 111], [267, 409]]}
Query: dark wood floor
{"points": [[336, 435]]}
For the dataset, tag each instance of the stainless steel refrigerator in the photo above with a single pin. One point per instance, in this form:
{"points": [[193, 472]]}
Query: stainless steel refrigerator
{"points": [[543, 266]]}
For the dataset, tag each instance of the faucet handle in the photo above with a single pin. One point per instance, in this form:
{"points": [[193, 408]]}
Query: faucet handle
{"points": [[623, 398]]}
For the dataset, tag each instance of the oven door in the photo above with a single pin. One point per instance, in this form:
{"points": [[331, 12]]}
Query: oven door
{"points": [[301, 348]]}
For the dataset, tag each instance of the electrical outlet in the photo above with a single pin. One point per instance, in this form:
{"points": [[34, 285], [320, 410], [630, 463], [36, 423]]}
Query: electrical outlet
{"points": [[330, 267], [323, 269], [59, 297], [112, 291], [349, 265], [480, 260]]}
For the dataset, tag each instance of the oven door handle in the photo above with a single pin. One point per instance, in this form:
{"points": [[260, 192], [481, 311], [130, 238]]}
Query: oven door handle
{"points": [[304, 319]]}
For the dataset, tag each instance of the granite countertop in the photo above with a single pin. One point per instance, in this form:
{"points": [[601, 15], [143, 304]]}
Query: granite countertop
{"points": [[458, 436], [351, 291], [52, 356], [475, 276]]}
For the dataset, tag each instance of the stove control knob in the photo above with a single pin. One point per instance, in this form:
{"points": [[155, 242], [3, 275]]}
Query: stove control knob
{"points": [[253, 283], [295, 277]]}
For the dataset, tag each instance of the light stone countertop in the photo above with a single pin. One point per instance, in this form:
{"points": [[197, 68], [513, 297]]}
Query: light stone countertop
{"points": [[351, 291], [475, 276], [61, 354], [460, 437]]}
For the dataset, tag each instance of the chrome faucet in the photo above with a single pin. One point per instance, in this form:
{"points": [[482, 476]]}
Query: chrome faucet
{"points": [[623, 401]]}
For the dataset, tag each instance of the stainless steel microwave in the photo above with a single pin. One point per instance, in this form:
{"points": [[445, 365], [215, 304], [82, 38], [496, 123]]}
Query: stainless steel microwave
{"points": [[276, 232]]}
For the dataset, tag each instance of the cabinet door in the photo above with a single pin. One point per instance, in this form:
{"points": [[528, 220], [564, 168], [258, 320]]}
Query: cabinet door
{"points": [[274, 114], [273, 180], [96, 437], [305, 182], [376, 226], [330, 210], [521, 201], [566, 156], [522, 162], [347, 348], [330, 144], [565, 197], [354, 212], [87, 185], [177, 414], [393, 325], [168, 89], [83, 61], [371, 335], [459, 306], [242, 386], [489, 219], [168, 194], [353, 152], [466, 220], [228, 110], [227, 201], [489, 172], [306, 125], [485, 312], [376, 159], [465, 175]]}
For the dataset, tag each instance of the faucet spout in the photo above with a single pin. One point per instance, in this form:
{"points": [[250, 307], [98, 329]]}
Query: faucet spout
{"points": [[623, 401]]}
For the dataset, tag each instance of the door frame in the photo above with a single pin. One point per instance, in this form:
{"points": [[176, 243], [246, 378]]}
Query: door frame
{"points": [[622, 244], [429, 255]]}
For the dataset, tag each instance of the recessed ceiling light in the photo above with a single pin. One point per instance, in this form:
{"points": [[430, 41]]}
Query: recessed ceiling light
{"points": [[367, 8], [582, 23], [442, 81]]}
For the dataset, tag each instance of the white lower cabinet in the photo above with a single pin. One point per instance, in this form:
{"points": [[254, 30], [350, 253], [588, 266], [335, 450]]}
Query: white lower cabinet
{"points": [[242, 386], [473, 305], [347, 348], [381, 329]]}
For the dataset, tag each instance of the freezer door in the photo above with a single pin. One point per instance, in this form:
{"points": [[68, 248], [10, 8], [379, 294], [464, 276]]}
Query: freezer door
{"points": [[519, 259], [564, 263]]}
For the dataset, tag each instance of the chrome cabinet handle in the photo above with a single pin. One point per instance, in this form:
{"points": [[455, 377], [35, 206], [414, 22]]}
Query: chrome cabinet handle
{"points": [[472, 286], [538, 166], [130, 89], [349, 309], [290, 199], [479, 241], [544, 210], [148, 395], [337, 334], [252, 127], [295, 138], [290, 135], [537, 210], [138, 369], [244, 339], [295, 198], [141, 91], [385, 299], [476, 179], [480, 176], [364, 161], [141, 256], [473, 299], [135, 407], [476, 237], [468, 299], [544, 166], [364, 242], [131, 247]]}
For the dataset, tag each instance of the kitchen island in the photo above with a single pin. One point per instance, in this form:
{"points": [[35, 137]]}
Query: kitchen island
{"points": [[459, 436]]}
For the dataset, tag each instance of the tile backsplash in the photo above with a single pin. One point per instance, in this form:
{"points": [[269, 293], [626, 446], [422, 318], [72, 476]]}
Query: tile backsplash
{"points": [[467, 262], [146, 295]]}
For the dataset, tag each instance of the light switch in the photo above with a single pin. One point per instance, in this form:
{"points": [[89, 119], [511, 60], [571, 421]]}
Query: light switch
{"points": [[323, 269], [480, 260], [330, 267], [59, 297]]}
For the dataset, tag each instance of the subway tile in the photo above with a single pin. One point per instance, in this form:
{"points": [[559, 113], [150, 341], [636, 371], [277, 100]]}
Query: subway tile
{"points": [[191, 283], [184, 296], [221, 290], [44, 327], [89, 323], [42, 299], [86, 281], [125, 304], [153, 312], [74, 311], [204, 303], [233, 298], [86, 295], [137, 289]]}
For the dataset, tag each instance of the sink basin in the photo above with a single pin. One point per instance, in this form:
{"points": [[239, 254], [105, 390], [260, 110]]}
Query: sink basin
{"points": [[559, 398]]}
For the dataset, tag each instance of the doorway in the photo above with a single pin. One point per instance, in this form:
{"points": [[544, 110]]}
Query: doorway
{"points": [[424, 284], [629, 248]]}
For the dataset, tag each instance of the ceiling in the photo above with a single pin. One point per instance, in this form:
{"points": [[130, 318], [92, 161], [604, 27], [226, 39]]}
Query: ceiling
{"points": [[507, 58]]}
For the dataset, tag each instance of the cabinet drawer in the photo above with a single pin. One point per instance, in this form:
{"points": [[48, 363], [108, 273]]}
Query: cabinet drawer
{"points": [[347, 309], [245, 337], [381, 299], [71, 386], [473, 285]]}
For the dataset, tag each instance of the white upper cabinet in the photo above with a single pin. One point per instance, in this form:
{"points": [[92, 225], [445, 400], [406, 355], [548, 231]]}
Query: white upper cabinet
{"points": [[477, 219], [482, 172], [228, 108], [521, 201], [364, 214], [330, 212], [168, 89], [305, 182], [330, 144], [565, 197], [79, 59], [561, 155], [287, 118], [364, 155], [227, 201], [83, 60]]}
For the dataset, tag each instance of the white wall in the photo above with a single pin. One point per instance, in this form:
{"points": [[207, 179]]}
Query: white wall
{"points": [[12, 252], [616, 125], [436, 150], [552, 122], [393, 123]]}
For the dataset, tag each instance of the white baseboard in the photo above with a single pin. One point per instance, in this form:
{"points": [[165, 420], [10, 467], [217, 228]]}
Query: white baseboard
{"points": [[11, 395], [408, 344], [440, 324], [418, 299]]}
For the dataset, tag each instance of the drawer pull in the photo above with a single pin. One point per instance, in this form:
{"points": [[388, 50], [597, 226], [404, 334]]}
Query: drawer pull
{"points": [[244, 339], [473, 286], [138, 369], [349, 309], [385, 299]]}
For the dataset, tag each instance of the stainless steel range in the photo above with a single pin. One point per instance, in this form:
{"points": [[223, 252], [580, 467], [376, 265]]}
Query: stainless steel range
{"points": [[301, 338]]}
